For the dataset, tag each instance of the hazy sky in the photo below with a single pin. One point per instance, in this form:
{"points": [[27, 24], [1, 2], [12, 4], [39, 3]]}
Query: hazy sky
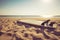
{"points": [[29, 7]]}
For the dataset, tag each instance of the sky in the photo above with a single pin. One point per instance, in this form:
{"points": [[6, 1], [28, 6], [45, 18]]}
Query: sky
{"points": [[30, 7]]}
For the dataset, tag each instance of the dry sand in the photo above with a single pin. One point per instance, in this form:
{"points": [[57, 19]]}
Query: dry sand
{"points": [[9, 30]]}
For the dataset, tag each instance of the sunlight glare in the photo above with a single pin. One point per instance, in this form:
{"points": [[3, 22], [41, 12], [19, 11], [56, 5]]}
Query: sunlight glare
{"points": [[46, 1], [46, 16]]}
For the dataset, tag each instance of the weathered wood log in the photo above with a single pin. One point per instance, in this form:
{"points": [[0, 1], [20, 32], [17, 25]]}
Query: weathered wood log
{"points": [[34, 25]]}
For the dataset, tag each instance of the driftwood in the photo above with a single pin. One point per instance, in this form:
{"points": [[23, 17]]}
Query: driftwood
{"points": [[34, 25]]}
